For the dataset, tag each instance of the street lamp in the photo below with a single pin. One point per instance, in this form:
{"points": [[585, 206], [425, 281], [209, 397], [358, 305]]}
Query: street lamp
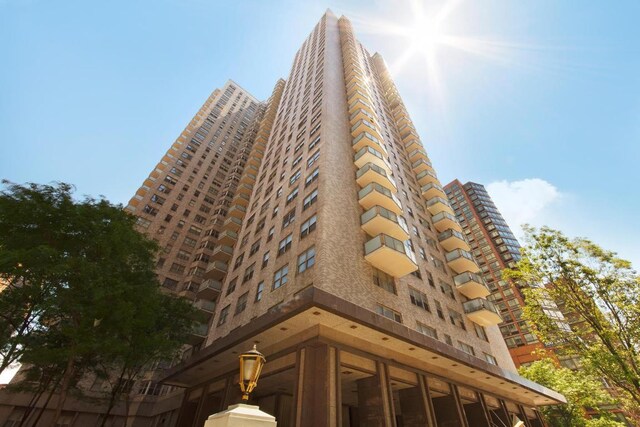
{"points": [[251, 364]]}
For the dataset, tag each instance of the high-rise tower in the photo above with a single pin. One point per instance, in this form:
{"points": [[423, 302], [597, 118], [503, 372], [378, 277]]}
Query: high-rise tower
{"points": [[346, 265]]}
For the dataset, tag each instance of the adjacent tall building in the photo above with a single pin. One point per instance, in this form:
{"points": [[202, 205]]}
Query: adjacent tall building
{"points": [[314, 226], [495, 248]]}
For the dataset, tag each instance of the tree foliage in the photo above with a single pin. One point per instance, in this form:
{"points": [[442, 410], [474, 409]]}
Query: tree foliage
{"points": [[579, 388], [80, 289], [599, 295]]}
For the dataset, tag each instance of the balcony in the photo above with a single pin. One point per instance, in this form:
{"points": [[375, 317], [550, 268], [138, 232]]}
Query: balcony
{"points": [[222, 253], [245, 189], [408, 137], [237, 211], [210, 289], [444, 221], [432, 190], [379, 220], [372, 173], [436, 205], [248, 178], [369, 155], [403, 120], [217, 270], [198, 333], [471, 285], [389, 255], [356, 86], [452, 239], [461, 261], [365, 126], [482, 312], [356, 78], [241, 199], [228, 238], [427, 177], [418, 154], [205, 307], [254, 161], [375, 194], [233, 224], [365, 139], [359, 104], [421, 165], [360, 114], [358, 95]]}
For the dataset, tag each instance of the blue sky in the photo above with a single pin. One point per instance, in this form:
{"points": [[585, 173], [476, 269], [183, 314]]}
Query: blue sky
{"points": [[541, 100]]}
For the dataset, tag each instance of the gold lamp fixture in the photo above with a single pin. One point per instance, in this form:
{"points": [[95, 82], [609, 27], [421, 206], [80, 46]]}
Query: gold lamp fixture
{"points": [[251, 363]]}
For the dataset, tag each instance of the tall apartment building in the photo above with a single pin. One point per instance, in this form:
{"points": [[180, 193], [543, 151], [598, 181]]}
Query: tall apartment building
{"points": [[495, 248], [315, 227], [346, 265]]}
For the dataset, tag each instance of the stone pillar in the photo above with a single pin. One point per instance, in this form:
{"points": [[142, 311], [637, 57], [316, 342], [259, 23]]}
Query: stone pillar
{"points": [[316, 392], [241, 415], [412, 405]]}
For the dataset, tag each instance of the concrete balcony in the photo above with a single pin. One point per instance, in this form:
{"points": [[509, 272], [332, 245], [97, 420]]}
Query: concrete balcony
{"points": [[413, 144], [482, 312], [436, 205], [421, 165], [245, 189], [237, 211], [471, 285], [210, 289], [444, 221], [222, 253], [379, 220], [366, 127], [241, 199], [452, 239], [361, 105], [254, 161], [427, 177], [198, 333], [376, 195], [205, 307], [402, 120], [357, 86], [418, 154], [365, 139], [461, 261], [389, 255], [370, 155], [353, 72], [248, 178], [409, 137], [228, 238], [432, 190], [353, 78], [233, 224], [372, 173], [217, 270], [358, 96], [361, 114]]}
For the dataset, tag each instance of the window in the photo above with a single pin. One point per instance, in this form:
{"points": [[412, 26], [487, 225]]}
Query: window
{"points": [[310, 199], [295, 177], [388, 313], [280, 277], [232, 285], [456, 319], [447, 339], [480, 332], [439, 309], [242, 303], [447, 289], [285, 244], [270, 236], [430, 280], [308, 226], [254, 248], [311, 178], [489, 358], [419, 299], [248, 273], [427, 330], [259, 291], [466, 348], [306, 259], [223, 315], [265, 259], [313, 159], [292, 196], [289, 218], [382, 279]]}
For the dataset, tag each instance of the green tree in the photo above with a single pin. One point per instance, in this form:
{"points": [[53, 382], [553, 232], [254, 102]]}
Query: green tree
{"points": [[599, 294], [81, 278], [579, 388]]}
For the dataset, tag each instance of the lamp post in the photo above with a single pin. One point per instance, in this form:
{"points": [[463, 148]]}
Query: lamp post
{"points": [[251, 363]]}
